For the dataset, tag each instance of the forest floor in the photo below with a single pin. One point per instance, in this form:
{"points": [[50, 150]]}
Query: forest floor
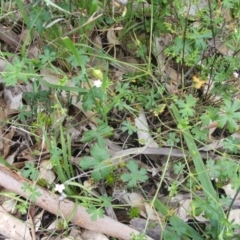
{"points": [[119, 119]]}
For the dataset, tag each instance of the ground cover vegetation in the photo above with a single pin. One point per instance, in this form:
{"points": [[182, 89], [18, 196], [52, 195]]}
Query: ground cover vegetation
{"points": [[120, 118]]}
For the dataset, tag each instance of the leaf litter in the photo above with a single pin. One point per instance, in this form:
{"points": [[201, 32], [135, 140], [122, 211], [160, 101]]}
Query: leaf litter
{"points": [[31, 149]]}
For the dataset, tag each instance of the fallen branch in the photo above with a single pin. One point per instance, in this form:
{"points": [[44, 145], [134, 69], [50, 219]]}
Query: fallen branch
{"points": [[50, 202], [9, 37], [12, 227], [155, 151]]}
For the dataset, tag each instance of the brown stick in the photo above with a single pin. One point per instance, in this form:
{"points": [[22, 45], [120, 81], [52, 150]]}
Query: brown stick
{"points": [[50, 202], [9, 37]]}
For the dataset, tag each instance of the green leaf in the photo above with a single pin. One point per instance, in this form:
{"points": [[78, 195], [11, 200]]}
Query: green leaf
{"points": [[81, 61], [172, 139], [70, 45], [103, 130], [24, 114], [97, 161], [95, 213], [98, 173], [92, 6], [201, 170], [136, 176], [106, 200], [132, 166], [99, 153], [229, 168], [23, 10], [23, 207], [30, 171], [88, 162], [169, 233], [198, 162], [200, 134], [50, 3], [15, 72], [127, 126], [91, 100], [210, 115], [178, 168], [230, 115], [32, 190], [177, 226], [187, 108], [47, 56], [229, 3], [214, 170], [165, 210], [56, 154], [231, 144]]}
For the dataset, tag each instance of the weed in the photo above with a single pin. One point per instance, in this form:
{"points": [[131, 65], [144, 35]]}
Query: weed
{"points": [[134, 212], [135, 176], [203, 52]]}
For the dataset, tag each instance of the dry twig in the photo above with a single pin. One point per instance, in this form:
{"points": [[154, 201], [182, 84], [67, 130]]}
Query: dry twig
{"points": [[50, 202]]}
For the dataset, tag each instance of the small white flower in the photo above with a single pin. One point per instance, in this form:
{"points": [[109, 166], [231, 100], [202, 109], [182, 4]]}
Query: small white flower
{"points": [[97, 83], [59, 188], [235, 74]]}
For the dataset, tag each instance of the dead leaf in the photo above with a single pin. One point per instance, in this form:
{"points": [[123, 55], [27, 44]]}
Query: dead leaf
{"points": [[174, 80], [193, 9], [46, 172], [7, 141], [223, 49], [32, 53], [231, 192], [71, 238], [12, 227], [144, 136], [13, 97], [10, 158], [75, 233], [53, 22], [2, 123], [160, 44], [201, 218], [38, 220], [153, 228], [39, 147], [234, 216], [98, 42], [218, 144], [136, 200], [184, 209], [9, 37], [91, 235], [10, 205], [127, 64], [220, 45], [3, 64], [173, 75], [25, 37], [111, 37], [212, 127], [149, 212], [133, 199]]}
